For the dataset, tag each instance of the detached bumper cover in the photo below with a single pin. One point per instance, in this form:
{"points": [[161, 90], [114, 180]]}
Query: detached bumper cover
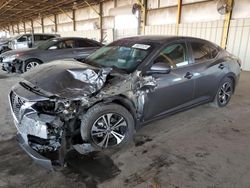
{"points": [[38, 159]]}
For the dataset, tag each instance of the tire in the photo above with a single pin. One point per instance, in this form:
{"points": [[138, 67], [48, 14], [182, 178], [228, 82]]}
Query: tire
{"points": [[30, 64], [224, 93], [95, 131]]}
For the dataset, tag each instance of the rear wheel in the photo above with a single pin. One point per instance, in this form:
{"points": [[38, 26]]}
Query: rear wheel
{"points": [[107, 126], [30, 64], [224, 93]]}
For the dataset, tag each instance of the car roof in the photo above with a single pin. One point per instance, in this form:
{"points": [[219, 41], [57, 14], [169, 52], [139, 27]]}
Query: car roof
{"points": [[159, 39], [68, 38], [38, 34]]}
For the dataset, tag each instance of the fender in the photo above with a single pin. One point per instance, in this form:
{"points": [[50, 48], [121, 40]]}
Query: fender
{"points": [[125, 102]]}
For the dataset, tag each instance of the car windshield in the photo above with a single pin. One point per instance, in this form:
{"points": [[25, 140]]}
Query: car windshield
{"points": [[47, 44], [120, 57]]}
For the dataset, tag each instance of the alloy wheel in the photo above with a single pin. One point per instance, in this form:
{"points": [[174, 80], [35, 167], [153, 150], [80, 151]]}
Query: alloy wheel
{"points": [[109, 130], [31, 65], [225, 93]]}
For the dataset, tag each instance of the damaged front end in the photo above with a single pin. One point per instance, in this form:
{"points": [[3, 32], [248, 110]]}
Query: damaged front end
{"points": [[41, 127], [38, 134], [44, 119], [48, 105]]}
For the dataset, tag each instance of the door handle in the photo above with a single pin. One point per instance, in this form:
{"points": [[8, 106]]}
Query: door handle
{"points": [[221, 66], [188, 75]]}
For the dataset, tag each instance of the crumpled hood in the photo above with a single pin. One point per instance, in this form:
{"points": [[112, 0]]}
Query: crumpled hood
{"points": [[68, 78]]}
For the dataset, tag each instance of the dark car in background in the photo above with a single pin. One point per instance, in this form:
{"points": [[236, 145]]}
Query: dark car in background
{"points": [[54, 49], [98, 104]]}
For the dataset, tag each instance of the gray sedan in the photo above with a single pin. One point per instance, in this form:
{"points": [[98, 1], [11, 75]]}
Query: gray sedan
{"points": [[98, 104], [54, 49]]}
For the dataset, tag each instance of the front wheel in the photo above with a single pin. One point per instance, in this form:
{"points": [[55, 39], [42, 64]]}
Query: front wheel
{"points": [[107, 126], [224, 93], [30, 64]]}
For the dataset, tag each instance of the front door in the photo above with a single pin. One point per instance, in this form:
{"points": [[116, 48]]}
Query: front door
{"points": [[174, 89]]}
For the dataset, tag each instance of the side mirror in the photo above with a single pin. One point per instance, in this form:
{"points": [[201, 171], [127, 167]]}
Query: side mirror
{"points": [[53, 48], [159, 68]]}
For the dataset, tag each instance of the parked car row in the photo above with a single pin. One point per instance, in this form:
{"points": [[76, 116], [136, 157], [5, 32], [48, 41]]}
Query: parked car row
{"points": [[96, 103], [24, 41], [23, 60], [29, 40]]}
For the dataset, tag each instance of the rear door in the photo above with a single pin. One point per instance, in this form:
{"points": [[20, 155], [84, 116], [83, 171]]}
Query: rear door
{"points": [[85, 47], [174, 90], [63, 49], [207, 68]]}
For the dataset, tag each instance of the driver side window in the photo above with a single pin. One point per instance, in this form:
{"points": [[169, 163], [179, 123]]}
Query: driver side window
{"points": [[174, 55]]}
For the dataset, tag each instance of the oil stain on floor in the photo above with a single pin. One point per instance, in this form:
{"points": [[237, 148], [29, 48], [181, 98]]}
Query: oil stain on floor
{"points": [[82, 171]]}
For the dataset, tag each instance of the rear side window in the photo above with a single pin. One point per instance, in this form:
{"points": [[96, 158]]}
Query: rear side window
{"points": [[24, 38], [47, 37], [81, 43], [203, 52], [66, 44], [37, 37], [43, 37]]}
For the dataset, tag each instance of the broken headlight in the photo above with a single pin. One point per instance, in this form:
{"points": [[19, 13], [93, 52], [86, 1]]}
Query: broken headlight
{"points": [[45, 106], [67, 108]]}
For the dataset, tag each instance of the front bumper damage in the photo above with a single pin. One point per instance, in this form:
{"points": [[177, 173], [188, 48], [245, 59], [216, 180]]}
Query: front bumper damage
{"points": [[38, 159], [39, 135], [11, 67]]}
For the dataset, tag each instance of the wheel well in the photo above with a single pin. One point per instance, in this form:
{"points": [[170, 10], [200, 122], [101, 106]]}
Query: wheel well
{"points": [[27, 60], [233, 80], [33, 60], [126, 103]]}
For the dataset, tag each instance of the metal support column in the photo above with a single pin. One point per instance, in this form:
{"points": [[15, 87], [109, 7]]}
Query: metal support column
{"points": [[42, 24], [100, 17], [13, 31], [178, 19], [226, 25], [18, 30], [9, 29], [24, 27], [143, 16], [101, 21], [74, 19], [32, 26], [55, 21]]}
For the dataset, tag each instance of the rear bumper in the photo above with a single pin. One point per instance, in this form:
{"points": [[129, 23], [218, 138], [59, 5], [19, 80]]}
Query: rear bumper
{"points": [[38, 159]]}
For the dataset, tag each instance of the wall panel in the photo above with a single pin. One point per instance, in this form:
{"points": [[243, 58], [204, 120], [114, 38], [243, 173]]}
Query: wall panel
{"points": [[239, 40]]}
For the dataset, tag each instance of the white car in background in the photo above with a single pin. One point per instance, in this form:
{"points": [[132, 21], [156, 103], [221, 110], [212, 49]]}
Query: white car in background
{"points": [[29, 40]]}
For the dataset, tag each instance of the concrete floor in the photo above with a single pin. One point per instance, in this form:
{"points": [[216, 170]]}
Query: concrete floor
{"points": [[201, 147]]}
